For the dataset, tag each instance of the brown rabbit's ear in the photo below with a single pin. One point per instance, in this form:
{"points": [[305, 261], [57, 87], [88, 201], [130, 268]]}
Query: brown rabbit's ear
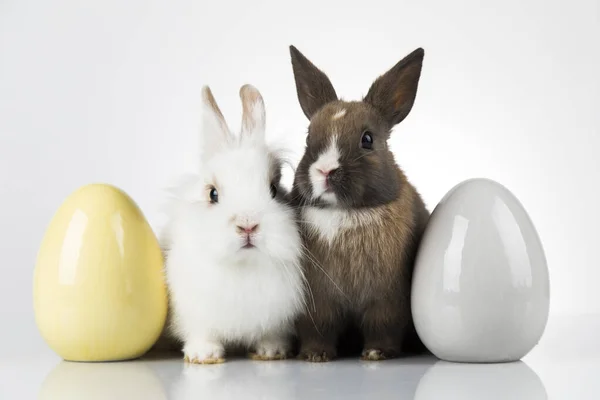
{"points": [[313, 86], [393, 93]]}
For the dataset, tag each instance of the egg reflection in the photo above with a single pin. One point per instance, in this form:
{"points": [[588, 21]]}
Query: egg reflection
{"points": [[101, 381], [514, 381]]}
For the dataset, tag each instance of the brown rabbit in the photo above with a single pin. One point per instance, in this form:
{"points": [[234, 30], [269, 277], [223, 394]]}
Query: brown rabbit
{"points": [[361, 220]]}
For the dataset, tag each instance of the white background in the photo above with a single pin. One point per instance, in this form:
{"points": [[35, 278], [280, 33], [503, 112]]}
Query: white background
{"points": [[109, 91]]}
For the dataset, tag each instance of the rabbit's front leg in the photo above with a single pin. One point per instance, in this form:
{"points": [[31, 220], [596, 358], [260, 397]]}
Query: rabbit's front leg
{"points": [[384, 326], [319, 330]]}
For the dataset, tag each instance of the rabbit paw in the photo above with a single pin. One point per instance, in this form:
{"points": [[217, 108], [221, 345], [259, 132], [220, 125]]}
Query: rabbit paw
{"points": [[377, 355], [203, 352], [271, 349], [316, 356]]}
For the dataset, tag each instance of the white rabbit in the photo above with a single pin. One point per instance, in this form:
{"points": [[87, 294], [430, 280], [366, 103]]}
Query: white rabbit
{"points": [[232, 246]]}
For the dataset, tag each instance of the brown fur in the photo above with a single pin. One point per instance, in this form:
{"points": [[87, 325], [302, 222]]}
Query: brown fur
{"points": [[362, 277]]}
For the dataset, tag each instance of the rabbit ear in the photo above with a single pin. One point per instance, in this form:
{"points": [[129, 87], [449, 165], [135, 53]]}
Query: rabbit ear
{"points": [[215, 132], [253, 117], [312, 85], [393, 93]]}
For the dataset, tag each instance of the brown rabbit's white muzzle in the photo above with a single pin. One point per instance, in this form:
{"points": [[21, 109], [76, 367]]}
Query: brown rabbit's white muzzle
{"points": [[322, 171]]}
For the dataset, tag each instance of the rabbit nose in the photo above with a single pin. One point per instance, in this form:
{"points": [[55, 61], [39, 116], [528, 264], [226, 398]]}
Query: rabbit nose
{"points": [[247, 229], [326, 173]]}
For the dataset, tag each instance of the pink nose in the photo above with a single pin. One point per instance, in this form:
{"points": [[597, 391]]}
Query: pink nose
{"points": [[247, 229], [325, 173]]}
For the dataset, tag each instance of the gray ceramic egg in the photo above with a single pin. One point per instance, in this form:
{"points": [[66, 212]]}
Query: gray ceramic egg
{"points": [[480, 288]]}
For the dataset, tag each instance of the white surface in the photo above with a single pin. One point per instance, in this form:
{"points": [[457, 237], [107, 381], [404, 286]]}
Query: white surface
{"points": [[480, 289], [564, 366]]}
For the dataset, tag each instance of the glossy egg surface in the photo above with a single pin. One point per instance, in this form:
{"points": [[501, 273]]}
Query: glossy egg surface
{"points": [[99, 291], [480, 288]]}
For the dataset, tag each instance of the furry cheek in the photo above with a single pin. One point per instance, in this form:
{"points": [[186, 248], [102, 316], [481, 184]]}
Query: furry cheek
{"points": [[281, 238]]}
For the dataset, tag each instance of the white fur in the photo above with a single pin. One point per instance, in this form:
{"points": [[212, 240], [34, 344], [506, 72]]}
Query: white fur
{"points": [[338, 114], [221, 293], [328, 223], [328, 160]]}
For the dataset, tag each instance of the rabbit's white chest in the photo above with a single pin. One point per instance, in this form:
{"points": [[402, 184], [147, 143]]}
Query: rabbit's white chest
{"points": [[236, 303], [328, 223]]}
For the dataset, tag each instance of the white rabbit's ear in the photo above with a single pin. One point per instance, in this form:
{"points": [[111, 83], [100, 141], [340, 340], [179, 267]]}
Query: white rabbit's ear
{"points": [[253, 117], [215, 132]]}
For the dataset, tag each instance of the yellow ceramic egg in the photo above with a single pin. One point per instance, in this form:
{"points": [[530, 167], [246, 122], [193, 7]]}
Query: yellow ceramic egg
{"points": [[99, 292]]}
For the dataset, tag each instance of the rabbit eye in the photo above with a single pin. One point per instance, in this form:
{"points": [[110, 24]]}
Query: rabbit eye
{"points": [[273, 190], [214, 196], [366, 140]]}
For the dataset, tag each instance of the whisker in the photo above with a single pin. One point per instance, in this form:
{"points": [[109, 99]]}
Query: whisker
{"points": [[363, 155], [314, 262], [306, 286]]}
